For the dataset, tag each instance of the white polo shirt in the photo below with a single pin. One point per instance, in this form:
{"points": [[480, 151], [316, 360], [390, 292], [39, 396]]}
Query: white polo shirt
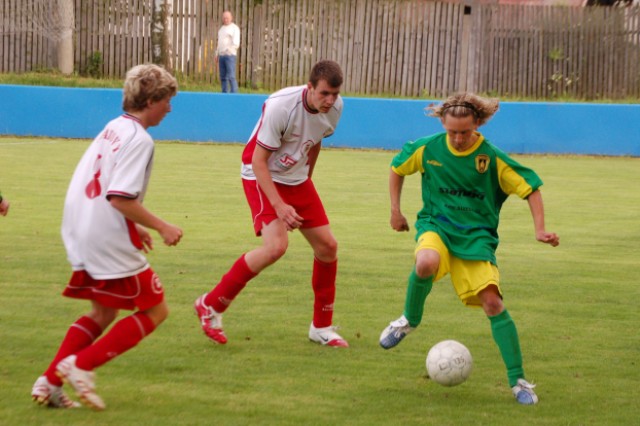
{"points": [[228, 40], [97, 237], [289, 129]]}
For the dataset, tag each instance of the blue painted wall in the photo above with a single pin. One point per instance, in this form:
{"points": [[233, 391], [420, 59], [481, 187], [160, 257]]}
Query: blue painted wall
{"points": [[599, 129]]}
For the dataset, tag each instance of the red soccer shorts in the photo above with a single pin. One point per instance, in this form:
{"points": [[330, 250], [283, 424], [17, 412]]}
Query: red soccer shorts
{"points": [[142, 291], [304, 198]]}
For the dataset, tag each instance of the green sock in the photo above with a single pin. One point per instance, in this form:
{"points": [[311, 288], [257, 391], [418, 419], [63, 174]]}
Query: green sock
{"points": [[417, 293], [505, 335]]}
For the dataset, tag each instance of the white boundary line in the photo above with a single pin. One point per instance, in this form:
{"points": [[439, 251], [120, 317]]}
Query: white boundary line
{"points": [[2, 143]]}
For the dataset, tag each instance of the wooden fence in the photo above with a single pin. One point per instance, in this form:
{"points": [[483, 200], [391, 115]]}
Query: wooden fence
{"points": [[386, 47]]}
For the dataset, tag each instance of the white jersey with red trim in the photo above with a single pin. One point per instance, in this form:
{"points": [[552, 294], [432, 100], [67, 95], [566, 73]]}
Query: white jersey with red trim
{"points": [[289, 129], [98, 238]]}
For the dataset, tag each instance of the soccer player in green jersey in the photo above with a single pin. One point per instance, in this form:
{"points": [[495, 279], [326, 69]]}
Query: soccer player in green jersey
{"points": [[465, 181]]}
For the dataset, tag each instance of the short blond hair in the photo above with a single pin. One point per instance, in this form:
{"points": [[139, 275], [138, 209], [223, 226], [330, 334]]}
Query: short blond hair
{"points": [[465, 104], [145, 83]]}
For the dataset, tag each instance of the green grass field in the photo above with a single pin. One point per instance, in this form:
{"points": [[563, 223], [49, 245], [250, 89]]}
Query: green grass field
{"points": [[576, 306]]}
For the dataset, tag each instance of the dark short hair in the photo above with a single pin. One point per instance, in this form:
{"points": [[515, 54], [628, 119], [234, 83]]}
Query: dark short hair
{"points": [[328, 71]]}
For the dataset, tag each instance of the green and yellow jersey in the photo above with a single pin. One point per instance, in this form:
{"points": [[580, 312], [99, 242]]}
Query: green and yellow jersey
{"points": [[463, 192]]}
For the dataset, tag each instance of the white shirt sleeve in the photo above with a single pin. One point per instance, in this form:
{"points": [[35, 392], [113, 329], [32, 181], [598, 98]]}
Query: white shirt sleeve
{"points": [[236, 37], [130, 170], [273, 126]]}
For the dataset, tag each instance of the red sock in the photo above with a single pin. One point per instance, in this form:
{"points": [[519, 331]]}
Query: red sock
{"points": [[323, 282], [80, 335], [124, 335], [229, 286]]}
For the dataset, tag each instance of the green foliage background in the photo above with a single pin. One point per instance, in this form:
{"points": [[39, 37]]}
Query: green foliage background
{"points": [[53, 78]]}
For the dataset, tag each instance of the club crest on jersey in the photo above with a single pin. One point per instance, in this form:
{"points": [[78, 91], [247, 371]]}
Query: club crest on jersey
{"points": [[482, 163], [286, 162]]}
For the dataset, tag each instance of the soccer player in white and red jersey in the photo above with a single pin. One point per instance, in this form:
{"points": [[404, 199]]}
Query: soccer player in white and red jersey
{"points": [[277, 165], [104, 231]]}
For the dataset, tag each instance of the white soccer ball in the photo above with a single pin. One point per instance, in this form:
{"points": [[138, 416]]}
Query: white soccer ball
{"points": [[449, 363]]}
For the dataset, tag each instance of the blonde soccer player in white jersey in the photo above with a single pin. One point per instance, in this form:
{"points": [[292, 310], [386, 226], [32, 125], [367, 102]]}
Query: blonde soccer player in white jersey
{"points": [[277, 165], [104, 230]]}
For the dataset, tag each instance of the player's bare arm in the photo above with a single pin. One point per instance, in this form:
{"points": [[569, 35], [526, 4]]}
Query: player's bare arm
{"points": [[313, 157], [133, 210], [537, 213], [398, 221], [145, 238], [286, 213]]}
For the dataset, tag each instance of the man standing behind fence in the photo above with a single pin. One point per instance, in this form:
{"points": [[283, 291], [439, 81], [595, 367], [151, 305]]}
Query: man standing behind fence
{"points": [[226, 52]]}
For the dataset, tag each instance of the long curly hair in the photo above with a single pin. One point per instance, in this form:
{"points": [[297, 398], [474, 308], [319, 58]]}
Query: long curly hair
{"points": [[463, 105]]}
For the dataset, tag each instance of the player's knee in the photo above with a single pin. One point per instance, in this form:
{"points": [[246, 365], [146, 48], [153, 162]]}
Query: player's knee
{"points": [[158, 314], [332, 247], [328, 251], [492, 309], [161, 316], [276, 251], [426, 268], [424, 272], [491, 301], [427, 263]]}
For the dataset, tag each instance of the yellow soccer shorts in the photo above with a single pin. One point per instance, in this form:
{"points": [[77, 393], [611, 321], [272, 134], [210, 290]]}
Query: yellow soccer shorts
{"points": [[469, 277]]}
